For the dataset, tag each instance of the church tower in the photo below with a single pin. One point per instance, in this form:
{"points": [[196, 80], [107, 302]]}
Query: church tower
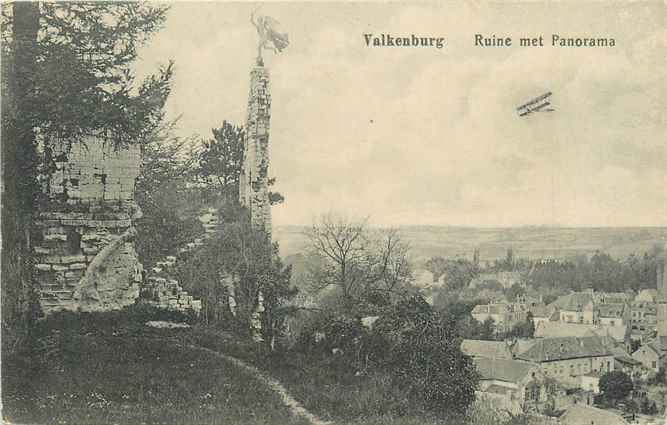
{"points": [[254, 180], [662, 298]]}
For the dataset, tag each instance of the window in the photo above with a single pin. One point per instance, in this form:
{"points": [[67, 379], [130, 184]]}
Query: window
{"points": [[73, 242], [654, 364]]}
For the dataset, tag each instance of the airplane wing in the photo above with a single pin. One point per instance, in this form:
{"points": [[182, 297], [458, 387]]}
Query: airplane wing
{"points": [[538, 99]]}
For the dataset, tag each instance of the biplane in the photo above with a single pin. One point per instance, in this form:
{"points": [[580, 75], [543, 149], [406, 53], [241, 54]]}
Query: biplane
{"points": [[539, 104]]}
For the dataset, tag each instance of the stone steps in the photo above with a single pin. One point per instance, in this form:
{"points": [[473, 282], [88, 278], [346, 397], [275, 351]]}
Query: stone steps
{"points": [[161, 289]]}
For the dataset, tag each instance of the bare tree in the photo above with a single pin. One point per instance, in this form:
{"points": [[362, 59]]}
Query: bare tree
{"points": [[358, 261]]}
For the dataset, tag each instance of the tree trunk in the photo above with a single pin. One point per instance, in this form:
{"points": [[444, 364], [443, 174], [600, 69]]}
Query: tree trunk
{"points": [[19, 164]]}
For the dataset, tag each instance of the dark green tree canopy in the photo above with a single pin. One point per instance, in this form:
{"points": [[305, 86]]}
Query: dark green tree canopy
{"points": [[616, 385], [82, 84]]}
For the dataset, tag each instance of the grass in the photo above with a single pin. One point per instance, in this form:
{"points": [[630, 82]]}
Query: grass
{"points": [[327, 388], [109, 368], [114, 374]]}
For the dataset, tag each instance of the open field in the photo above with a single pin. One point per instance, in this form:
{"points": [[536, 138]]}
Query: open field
{"points": [[531, 242]]}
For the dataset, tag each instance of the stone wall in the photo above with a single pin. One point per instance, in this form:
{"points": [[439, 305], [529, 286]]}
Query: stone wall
{"points": [[253, 187], [84, 251], [162, 289]]}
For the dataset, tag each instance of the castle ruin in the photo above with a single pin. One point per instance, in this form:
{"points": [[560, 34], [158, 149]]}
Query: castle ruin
{"points": [[254, 180], [84, 252]]}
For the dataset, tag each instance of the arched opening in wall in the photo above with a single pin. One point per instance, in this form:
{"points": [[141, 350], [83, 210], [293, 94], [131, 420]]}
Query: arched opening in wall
{"points": [[73, 242]]}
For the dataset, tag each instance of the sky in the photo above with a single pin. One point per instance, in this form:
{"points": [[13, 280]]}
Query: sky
{"points": [[426, 136]]}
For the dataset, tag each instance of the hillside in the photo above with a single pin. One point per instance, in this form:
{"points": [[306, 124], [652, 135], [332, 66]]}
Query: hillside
{"points": [[531, 242], [107, 369]]}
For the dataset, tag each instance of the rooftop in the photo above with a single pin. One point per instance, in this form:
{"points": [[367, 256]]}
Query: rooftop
{"points": [[503, 370], [551, 349], [564, 329], [609, 310], [576, 301], [579, 414], [488, 349]]}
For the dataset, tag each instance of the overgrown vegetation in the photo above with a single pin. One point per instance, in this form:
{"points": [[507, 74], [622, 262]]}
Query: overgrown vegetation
{"points": [[107, 368], [65, 76]]}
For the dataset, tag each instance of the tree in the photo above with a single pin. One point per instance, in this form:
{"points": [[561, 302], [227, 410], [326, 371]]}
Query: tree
{"points": [[523, 330], [615, 385], [67, 77], [424, 357], [365, 267], [220, 160], [19, 165], [83, 85], [488, 329], [239, 264], [458, 272], [509, 260], [219, 163], [168, 202], [514, 292]]}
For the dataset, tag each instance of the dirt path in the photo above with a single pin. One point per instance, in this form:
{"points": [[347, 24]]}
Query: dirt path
{"points": [[294, 406]]}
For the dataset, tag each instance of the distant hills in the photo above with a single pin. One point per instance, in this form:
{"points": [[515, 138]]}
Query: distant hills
{"points": [[531, 242]]}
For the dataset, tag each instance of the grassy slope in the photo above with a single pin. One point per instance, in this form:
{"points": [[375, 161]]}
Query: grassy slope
{"points": [[109, 368], [144, 377], [327, 388]]}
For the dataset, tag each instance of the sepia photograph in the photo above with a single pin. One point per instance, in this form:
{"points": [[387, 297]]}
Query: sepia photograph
{"points": [[333, 212]]}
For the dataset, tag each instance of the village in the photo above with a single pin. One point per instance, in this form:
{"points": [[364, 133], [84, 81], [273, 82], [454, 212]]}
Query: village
{"points": [[567, 353]]}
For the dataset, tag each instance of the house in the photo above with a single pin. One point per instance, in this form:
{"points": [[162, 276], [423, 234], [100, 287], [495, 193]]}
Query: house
{"points": [[647, 296], [563, 329], [576, 307], [591, 382], [650, 355], [566, 359], [643, 316], [580, 414], [513, 385], [543, 313], [611, 298], [613, 314], [474, 348], [486, 349], [528, 300], [623, 361], [505, 316], [505, 279]]}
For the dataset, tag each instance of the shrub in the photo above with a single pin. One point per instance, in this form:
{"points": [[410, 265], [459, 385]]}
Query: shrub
{"points": [[615, 385], [424, 358]]}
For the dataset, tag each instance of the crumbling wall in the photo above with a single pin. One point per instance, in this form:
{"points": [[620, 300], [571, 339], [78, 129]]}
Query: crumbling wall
{"points": [[84, 252], [162, 289], [253, 187]]}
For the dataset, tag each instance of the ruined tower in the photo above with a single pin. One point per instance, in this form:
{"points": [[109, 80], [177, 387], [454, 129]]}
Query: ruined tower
{"points": [[84, 249], [254, 180]]}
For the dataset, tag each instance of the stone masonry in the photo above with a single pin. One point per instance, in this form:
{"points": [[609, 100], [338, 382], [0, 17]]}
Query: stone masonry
{"points": [[161, 288], [84, 252], [253, 187]]}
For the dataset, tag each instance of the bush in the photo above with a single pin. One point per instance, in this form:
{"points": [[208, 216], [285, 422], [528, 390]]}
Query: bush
{"points": [[616, 385], [424, 358]]}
